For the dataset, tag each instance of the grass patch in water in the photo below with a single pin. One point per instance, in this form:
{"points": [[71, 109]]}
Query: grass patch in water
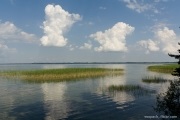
{"points": [[124, 87], [63, 74], [135, 90], [154, 80], [166, 68]]}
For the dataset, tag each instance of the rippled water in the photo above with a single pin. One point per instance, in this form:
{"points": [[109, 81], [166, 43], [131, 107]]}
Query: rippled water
{"points": [[84, 99]]}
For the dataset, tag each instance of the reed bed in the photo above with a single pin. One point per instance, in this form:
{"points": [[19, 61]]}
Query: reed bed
{"points": [[136, 90], [166, 68], [124, 87], [154, 80], [60, 74]]}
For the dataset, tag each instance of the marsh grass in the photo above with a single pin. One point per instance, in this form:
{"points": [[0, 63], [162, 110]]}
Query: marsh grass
{"points": [[166, 68], [135, 90], [124, 87], [154, 80], [64, 74]]}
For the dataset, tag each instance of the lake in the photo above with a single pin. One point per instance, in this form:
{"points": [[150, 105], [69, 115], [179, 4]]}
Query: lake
{"points": [[81, 99]]}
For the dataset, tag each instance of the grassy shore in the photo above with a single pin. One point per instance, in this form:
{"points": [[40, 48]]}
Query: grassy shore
{"points": [[166, 68], [60, 74]]}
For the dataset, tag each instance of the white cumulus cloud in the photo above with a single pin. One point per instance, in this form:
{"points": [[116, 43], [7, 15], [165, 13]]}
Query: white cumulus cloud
{"points": [[150, 45], [168, 40], [9, 32], [86, 46], [165, 40], [56, 23], [113, 39]]}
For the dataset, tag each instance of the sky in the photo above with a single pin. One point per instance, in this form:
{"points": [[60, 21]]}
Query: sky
{"points": [[88, 30]]}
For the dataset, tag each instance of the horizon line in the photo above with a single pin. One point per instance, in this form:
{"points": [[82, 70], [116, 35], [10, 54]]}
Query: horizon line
{"points": [[87, 63]]}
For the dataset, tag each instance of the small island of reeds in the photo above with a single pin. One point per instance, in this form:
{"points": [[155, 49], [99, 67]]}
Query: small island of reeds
{"points": [[135, 89], [63, 74], [124, 87], [154, 79], [166, 68]]}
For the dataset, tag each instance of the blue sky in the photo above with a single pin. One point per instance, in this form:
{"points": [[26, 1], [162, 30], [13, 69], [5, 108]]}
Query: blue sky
{"points": [[88, 30]]}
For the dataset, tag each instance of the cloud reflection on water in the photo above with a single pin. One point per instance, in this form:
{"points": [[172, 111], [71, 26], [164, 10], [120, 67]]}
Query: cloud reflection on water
{"points": [[54, 100]]}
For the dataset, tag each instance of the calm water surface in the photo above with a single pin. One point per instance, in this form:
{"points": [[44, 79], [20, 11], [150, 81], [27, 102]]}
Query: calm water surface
{"points": [[84, 99]]}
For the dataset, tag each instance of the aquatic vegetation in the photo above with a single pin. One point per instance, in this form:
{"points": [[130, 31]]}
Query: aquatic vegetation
{"points": [[124, 87], [166, 68], [60, 74], [154, 80], [135, 90]]}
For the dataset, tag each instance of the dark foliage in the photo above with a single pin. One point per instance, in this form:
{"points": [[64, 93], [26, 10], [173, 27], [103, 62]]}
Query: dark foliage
{"points": [[169, 102]]}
